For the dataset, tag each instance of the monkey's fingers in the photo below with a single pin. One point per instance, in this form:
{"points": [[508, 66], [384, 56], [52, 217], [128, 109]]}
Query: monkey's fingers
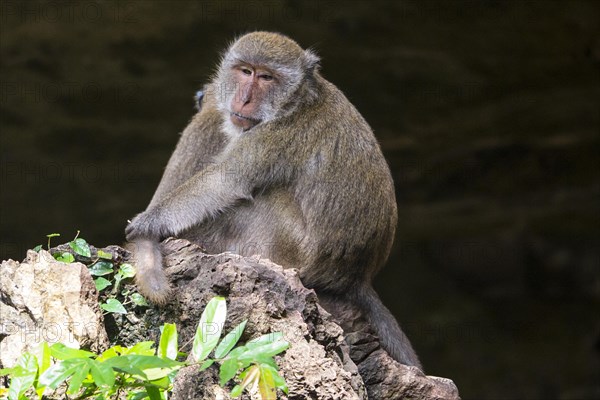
{"points": [[138, 227], [129, 233], [133, 231]]}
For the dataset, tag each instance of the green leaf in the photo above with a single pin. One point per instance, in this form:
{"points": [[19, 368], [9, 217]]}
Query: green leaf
{"points": [[138, 299], [266, 385], [278, 380], [101, 268], [145, 348], [123, 364], [37, 248], [235, 353], [11, 371], [209, 328], [43, 355], [228, 370], [77, 379], [164, 382], [105, 255], [110, 352], [236, 391], [59, 372], [142, 362], [265, 351], [127, 270], [230, 340], [137, 395], [80, 247], [65, 257], [147, 367], [101, 283], [114, 306], [153, 392], [167, 347], [181, 354], [244, 374], [266, 361], [22, 376], [102, 373], [62, 352], [7, 371], [264, 339], [157, 374], [20, 382], [28, 362], [206, 364]]}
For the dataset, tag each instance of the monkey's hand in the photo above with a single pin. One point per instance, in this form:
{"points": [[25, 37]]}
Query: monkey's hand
{"points": [[147, 225]]}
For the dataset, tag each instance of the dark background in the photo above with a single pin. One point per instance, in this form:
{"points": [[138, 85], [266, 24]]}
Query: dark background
{"points": [[487, 111]]}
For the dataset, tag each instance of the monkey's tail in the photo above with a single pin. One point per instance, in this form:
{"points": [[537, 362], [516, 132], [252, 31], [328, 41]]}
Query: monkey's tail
{"points": [[391, 337], [150, 276]]}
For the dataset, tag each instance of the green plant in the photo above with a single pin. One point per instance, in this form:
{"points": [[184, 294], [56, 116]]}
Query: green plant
{"points": [[105, 271], [136, 371], [253, 361], [140, 372]]}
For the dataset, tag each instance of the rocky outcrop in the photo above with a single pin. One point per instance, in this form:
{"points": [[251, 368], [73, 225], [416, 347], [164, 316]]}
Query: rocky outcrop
{"points": [[42, 299], [319, 364], [322, 362]]}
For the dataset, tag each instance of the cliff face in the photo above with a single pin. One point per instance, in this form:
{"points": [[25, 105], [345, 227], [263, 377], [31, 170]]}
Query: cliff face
{"points": [[487, 113]]}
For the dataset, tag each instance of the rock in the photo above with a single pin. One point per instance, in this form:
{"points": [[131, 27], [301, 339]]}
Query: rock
{"points": [[272, 299], [320, 363], [42, 299], [387, 379], [383, 376]]}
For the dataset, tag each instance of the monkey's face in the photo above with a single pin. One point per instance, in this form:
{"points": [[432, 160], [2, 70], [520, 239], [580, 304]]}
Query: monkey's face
{"points": [[263, 76], [250, 103]]}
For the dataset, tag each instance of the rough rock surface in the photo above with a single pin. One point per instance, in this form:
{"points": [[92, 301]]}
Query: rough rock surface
{"points": [[319, 364], [44, 299], [272, 299]]}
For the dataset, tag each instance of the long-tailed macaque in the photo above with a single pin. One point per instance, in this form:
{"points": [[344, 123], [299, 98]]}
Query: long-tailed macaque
{"points": [[278, 162]]}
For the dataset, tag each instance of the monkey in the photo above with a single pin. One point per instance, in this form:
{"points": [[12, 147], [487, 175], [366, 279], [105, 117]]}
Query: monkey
{"points": [[278, 162]]}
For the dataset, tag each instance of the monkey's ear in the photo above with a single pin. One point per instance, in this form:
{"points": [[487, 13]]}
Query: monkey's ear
{"points": [[312, 60], [199, 97]]}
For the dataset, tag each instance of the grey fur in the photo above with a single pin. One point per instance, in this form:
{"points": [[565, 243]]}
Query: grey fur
{"points": [[308, 187]]}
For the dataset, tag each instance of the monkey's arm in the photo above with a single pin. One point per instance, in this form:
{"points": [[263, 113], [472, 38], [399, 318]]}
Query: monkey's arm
{"points": [[244, 167]]}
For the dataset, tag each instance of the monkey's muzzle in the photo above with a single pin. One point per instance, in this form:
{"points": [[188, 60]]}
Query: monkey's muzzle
{"points": [[243, 122]]}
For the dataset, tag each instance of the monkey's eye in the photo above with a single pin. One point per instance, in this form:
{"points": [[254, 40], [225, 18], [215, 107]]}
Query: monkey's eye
{"points": [[246, 71], [266, 77]]}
